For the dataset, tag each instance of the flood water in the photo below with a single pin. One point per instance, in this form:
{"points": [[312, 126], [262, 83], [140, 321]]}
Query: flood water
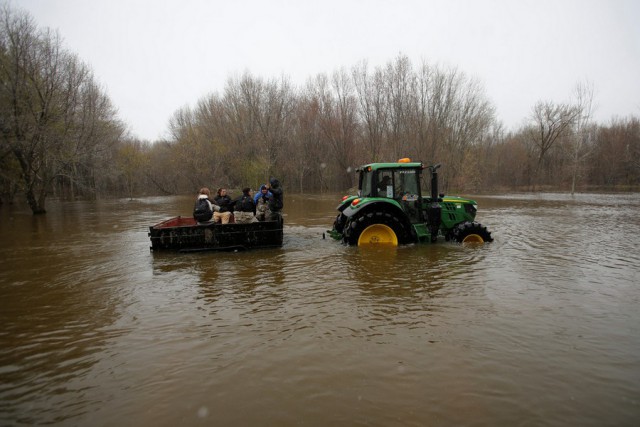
{"points": [[539, 328]]}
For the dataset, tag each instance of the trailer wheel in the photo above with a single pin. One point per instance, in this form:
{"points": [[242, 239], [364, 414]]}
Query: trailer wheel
{"points": [[375, 228], [471, 232]]}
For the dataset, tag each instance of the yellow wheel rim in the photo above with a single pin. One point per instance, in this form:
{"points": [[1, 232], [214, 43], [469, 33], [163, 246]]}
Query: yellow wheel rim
{"points": [[473, 238], [378, 234]]}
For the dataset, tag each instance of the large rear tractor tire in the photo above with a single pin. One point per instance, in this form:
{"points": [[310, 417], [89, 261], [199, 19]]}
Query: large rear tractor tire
{"points": [[471, 232], [375, 228]]}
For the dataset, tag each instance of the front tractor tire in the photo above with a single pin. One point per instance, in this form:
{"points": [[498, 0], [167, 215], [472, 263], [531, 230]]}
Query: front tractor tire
{"points": [[471, 232], [338, 224], [375, 228]]}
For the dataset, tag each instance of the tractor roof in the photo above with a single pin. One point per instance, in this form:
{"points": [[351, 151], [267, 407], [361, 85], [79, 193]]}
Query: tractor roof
{"points": [[401, 164]]}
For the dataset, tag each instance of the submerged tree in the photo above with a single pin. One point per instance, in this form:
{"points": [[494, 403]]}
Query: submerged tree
{"points": [[54, 119]]}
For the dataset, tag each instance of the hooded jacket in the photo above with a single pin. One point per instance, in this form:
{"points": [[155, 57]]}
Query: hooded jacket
{"points": [[276, 202], [259, 194], [203, 209]]}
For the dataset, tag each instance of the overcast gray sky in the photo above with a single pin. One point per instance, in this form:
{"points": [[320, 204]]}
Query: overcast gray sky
{"points": [[154, 57]]}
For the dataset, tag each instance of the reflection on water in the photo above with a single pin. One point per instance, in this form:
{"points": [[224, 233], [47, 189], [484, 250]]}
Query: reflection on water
{"points": [[537, 328]]}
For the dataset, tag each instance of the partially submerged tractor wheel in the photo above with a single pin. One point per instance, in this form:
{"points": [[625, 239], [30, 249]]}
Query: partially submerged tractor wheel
{"points": [[375, 228], [338, 224], [378, 234], [471, 232]]}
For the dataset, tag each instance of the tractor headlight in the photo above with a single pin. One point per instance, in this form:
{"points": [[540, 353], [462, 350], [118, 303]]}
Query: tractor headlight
{"points": [[471, 208]]}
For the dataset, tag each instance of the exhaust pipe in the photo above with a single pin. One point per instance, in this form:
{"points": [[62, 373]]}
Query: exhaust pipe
{"points": [[434, 181], [434, 211]]}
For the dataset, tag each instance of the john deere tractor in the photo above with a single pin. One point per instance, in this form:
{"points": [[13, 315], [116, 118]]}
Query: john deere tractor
{"points": [[390, 209]]}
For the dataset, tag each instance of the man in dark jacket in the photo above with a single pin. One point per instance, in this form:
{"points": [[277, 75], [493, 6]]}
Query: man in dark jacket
{"points": [[244, 208], [226, 206], [276, 202]]}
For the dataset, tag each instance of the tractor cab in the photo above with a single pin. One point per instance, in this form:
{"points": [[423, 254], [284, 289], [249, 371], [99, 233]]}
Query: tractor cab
{"points": [[397, 181]]}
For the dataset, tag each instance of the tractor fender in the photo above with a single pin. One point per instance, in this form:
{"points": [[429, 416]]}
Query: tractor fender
{"points": [[373, 204], [345, 203], [390, 206]]}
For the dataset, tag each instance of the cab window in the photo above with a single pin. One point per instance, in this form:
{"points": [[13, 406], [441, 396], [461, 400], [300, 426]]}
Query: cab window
{"points": [[384, 188], [365, 184], [406, 183]]}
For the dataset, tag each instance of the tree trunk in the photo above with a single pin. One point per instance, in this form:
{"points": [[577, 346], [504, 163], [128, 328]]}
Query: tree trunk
{"points": [[37, 206]]}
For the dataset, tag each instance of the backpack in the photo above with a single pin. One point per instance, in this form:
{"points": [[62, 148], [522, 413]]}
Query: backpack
{"points": [[202, 211], [246, 204]]}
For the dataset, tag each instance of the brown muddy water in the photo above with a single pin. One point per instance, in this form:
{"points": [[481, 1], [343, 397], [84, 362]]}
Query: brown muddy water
{"points": [[539, 328]]}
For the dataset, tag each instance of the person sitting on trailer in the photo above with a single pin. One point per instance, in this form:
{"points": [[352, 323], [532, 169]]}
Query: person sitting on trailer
{"points": [[244, 209], [203, 209], [262, 193], [261, 200], [223, 215]]}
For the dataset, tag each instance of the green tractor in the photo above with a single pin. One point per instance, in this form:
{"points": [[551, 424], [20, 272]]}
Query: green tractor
{"points": [[390, 209]]}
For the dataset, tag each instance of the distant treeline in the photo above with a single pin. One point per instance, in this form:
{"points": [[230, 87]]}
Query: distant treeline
{"points": [[62, 137]]}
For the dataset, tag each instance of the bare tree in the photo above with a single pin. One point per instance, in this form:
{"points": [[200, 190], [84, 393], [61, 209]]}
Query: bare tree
{"points": [[337, 109], [274, 118], [161, 169], [22, 117], [421, 123], [616, 153], [216, 136], [580, 143], [260, 114], [193, 151], [471, 120], [550, 122], [399, 79], [372, 108], [54, 117], [308, 157], [132, 161]]}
